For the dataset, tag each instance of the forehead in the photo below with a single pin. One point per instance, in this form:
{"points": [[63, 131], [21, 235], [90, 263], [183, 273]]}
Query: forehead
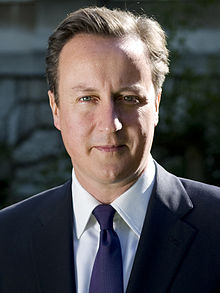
{"points": [[104, 60], [84, 45]]}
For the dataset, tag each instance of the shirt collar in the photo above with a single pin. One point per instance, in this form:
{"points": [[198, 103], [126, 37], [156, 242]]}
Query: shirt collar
{"points": [[83, 205], [131, 205]]}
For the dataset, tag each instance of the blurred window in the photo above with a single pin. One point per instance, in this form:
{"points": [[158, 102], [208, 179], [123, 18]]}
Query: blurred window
{"points": [[17, 14]]}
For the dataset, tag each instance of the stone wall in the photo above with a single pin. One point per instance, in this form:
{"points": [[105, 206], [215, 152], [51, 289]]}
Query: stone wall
{"points": [[32, 153]]}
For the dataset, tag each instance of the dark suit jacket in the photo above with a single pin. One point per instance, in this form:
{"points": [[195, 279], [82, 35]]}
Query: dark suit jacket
{"points": [[178, 252]]}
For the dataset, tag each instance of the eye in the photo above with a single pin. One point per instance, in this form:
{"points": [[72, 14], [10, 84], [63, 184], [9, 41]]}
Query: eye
{"points": [[88, 99], [85, 99], [131, 99]]}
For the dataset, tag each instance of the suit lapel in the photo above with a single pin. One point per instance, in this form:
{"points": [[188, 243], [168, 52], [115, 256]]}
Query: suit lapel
{"points": [[52, 246], [165, 236]]}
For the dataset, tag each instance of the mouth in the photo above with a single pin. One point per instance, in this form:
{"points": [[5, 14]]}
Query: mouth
{"points": [[109, 148]]}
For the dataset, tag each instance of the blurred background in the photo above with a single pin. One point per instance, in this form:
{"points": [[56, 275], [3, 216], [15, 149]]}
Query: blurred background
{"points": [[187, 139]]}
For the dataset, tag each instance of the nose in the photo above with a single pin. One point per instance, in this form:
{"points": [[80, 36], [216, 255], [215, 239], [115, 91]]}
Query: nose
{"points": [[109, 120]]}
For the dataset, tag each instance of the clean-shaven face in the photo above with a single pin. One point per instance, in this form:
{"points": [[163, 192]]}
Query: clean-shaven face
{"points": [[107, 108]]}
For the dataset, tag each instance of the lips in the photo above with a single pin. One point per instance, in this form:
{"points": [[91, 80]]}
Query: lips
{"points": [[110, 148]]}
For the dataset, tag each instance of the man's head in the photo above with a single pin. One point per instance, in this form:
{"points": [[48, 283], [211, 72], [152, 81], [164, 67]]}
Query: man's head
{"points": [[105, 94], [109, 23]]}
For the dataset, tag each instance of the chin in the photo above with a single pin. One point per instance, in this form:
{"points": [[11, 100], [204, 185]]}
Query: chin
{"points": [[113, 175]]}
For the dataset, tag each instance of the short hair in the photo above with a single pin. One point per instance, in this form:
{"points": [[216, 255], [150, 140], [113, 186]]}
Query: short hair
{"points": [[113, 23]]}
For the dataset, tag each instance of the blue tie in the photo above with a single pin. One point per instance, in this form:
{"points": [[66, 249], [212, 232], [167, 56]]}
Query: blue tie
{"points": [[107, 273]]}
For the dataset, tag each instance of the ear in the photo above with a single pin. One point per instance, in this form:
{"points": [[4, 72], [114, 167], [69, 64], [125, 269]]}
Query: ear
{"points": [[55, 110], [157, 105]]}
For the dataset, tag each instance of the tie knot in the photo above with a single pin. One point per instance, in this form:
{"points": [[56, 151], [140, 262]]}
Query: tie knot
{"points": [[104, 214]]}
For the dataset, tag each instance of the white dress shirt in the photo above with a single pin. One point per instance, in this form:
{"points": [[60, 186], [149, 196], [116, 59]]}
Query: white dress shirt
{"points": [[130, 209]]}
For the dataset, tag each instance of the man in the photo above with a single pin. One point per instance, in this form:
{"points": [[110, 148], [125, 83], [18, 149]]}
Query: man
{"points": [[105, 71]]}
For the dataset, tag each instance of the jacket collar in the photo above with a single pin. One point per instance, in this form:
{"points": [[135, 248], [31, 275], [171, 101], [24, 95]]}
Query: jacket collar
{"points": [[165, 236]]}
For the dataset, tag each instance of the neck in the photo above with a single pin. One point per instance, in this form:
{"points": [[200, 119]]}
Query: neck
{"points": [[104, 192]]}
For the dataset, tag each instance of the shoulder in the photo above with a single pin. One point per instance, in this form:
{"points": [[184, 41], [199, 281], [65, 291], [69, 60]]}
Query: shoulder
{"points": [[193, 203], [205, 202], [199, 186], [199, 191], [203, 198], [195, 189]]}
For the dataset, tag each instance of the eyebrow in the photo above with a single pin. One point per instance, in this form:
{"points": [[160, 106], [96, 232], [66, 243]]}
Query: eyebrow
{"points": [[133, 88], [83, 88]]}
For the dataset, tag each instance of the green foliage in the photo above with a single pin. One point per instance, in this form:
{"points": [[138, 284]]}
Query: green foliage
{"points": [[187, 140], [190, 120]]}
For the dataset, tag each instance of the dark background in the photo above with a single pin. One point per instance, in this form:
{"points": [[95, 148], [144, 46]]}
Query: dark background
{"points": [[187, 139]]}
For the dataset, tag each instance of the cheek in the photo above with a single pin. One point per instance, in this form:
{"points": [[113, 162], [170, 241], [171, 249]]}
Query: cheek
{"points": [[142, 121], [147, 118], [142, 130], [75, 128]]}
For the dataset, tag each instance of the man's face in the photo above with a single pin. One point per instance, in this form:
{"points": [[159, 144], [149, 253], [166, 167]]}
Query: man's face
{"points": [[107, 108]]}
